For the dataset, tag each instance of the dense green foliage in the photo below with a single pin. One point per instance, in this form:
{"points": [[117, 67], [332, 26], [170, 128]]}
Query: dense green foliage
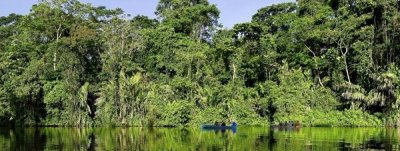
{"points": [[320, 62]]}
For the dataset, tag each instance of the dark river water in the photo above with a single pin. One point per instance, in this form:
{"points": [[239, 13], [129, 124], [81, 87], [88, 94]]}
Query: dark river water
{"points": [[170, 139]]}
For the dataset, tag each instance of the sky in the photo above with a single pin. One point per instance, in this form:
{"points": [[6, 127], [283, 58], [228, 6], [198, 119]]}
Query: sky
{"points": [[232, 11]]}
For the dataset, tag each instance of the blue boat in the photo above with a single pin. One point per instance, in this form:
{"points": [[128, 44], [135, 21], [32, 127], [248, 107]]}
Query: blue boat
{"points": [[218, 127]]}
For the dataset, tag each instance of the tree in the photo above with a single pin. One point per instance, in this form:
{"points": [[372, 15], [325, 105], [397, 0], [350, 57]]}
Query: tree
{"points": [[192, 17]]}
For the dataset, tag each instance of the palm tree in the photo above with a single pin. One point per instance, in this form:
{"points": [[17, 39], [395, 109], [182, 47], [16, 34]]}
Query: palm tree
{"points": [[385, 94], [353, 94]]}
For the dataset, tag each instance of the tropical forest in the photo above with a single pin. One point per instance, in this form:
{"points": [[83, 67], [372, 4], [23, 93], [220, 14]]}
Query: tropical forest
{"points": [[319, 62]]}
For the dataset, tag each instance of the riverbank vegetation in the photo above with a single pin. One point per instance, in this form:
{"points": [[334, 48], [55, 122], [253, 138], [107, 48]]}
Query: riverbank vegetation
{"points": [[320, 62]]}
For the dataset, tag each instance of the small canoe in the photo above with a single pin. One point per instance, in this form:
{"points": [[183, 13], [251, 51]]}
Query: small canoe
{"points": [[206, 126], [287, 125]]}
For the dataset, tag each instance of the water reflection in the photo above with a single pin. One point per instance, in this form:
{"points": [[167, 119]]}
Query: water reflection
{"points": [[233, 130], [245, 138]]}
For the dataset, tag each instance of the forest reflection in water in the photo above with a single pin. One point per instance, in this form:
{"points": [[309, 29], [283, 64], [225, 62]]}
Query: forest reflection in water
{"points": [[245, 138]]}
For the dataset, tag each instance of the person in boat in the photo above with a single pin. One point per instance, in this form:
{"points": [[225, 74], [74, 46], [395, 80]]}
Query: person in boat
{"points": [[291, 123], [234, 124], [223, 124], [297, 124], [216, 123]]}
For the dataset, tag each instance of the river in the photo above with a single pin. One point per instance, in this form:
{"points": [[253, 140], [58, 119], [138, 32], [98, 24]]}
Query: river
{"points": [[169, 139]]}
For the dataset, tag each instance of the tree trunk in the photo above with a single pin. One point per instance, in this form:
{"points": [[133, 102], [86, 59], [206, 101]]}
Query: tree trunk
{"points": [[234, 73], [55, 51], [344, 55], [345, 63], [315, 61], [347, 70]]}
